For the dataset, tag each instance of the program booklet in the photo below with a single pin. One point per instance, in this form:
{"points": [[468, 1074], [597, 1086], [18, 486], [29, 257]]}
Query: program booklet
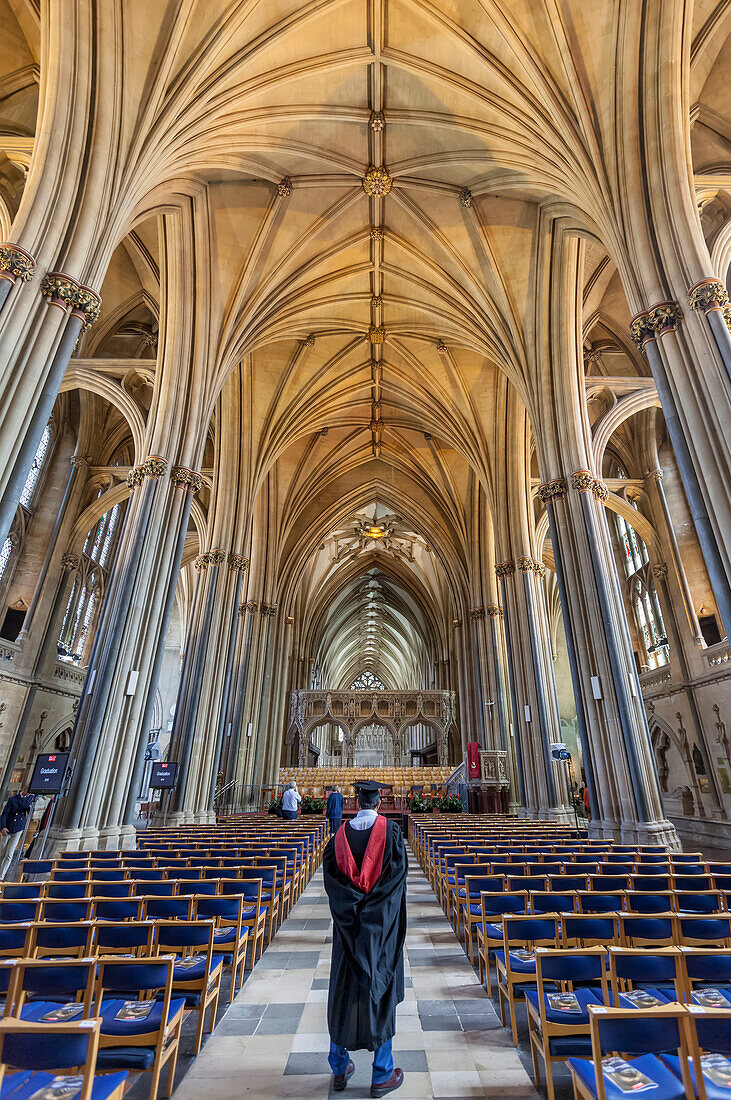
{"points": [[62, 1013], [60, 1088], [641, 998], [522, 954], [711, 998], [135, 1010], [189, 962], [625, 1077], [717, 1068], [564, 1002]]}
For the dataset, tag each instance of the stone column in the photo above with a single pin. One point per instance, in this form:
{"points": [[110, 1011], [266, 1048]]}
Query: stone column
{"points": [[710, 298], [186, 709], [250, 610], [143, 482], [653, 482], [606, 686], [477, 618], [547, 493], [502, 571], [544, 697], [62, 292], [268, 611], [647, 330], [239, 564], [16, 266], [189, 483], [76, 463], [495, 614]]}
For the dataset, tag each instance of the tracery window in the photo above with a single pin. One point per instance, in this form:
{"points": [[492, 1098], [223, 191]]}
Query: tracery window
{"points": [[367, 681], [36, 466], [87, 590], [16, 538]]}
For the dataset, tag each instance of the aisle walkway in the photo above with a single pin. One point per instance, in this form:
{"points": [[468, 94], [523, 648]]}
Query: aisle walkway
{"points": [[273, 1040]]}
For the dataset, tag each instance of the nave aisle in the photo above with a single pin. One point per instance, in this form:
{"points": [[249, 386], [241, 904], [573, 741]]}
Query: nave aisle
{"points": [[273, 1040]]}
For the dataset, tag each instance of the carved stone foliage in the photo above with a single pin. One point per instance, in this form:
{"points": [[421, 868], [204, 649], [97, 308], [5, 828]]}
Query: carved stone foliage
{"points": [[377, 182], [18, 263]]}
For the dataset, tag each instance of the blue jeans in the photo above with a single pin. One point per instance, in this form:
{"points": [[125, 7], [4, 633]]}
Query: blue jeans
{"points": [[382, 1062]]}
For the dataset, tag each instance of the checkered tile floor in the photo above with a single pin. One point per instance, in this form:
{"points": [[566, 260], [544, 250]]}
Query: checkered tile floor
{"points": [[273, 1041]]}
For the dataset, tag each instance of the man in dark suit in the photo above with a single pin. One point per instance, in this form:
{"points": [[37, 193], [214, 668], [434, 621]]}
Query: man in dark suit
{"points": [[334, 810], [365, 866], [12, 824]]}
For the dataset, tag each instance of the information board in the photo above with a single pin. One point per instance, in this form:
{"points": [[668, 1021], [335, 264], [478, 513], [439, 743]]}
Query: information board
{"points": [[48, 773]]}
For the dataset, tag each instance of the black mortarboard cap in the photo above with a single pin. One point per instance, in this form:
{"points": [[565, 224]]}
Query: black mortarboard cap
{"points": [[370, 785]]}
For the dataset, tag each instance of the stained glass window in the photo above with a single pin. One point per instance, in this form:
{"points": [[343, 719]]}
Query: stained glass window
{"points": [[367, 681], [27, 495], [5, 552], [89, 585]]}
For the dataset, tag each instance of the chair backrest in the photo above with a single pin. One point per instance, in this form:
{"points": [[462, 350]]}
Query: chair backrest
{"points": [[188, 887], [23, 891], [48, 939], [702, 928], [576, 967], [184, 935], [477, 884], [639, 930], [166, 889], [69, 891], [698, 901], [547, 901], [118, 909], [588, 929], [630, 965], [710, 1029], [27, 1046], [13, 940], [125, 937], [650, 902], [652, 1031], [600, 901], [17, 912], [706, 964], [519, 931], [106, 889], [168, 908], [67, 978], [56, 909], [498, 904]]}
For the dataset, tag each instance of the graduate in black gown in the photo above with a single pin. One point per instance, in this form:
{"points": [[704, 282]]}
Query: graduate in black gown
{"points": [[365, 866]]}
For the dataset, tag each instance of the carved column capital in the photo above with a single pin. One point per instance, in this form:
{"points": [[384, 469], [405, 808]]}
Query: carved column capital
{"points": [[477, 614], [494, 611], [656, 474], [582, 481], [599, 490], [201, 563], [553, 490], [525, 565], [16, 264], [660, 570], [153, 467], [216, 557], [708, 294], [661, 318], [70, 562], [59, 289], [251, 607], [87, 305], [238, 563], [505, 569], [269, 610], [189, 480]]}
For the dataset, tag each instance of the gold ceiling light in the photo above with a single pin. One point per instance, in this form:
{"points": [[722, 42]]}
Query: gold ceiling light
{"points": [[375, 532], [377, 181]]}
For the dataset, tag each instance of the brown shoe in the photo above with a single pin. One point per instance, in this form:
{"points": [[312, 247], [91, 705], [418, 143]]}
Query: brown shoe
{"points": [[340, 1080], [395, 1081]]}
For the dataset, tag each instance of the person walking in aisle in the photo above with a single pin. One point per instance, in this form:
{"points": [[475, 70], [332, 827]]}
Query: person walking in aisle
{"points": [[365, 867], [334, 810], [12, 824], [290, 800]]}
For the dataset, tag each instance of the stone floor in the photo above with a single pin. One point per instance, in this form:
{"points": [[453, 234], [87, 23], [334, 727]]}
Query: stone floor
{"points": [[273, 1041]]}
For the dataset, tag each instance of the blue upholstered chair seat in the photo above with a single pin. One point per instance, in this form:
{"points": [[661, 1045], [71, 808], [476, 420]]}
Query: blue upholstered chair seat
{"points": [[585, 997], [111, 1026], [713, 1092], [664, 995], [517, 965], [21, 1086], [34, 1011], [225, 935], [195, 973], [669, 1086]]}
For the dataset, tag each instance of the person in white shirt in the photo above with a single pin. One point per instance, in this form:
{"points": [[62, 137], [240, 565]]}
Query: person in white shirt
{"points": [[290, 799]]}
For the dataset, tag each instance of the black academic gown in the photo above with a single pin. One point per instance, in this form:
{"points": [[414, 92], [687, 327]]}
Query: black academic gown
{"points": [[367, 969]]}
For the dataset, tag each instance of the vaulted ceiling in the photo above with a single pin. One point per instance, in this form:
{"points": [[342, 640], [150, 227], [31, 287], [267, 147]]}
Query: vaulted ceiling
{"points": [[365, 184]]}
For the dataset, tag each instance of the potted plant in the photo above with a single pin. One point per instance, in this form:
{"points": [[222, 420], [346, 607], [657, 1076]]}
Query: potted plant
{"points": [[313, 805], [275, 807], [450, 804]]}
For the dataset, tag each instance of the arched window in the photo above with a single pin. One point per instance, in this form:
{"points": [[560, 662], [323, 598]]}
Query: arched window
{"points": [[26, 499], [650, 622], [35, 471], [89, 586], [367, 681]]}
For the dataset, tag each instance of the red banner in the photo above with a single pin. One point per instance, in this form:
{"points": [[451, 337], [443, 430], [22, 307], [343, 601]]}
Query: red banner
{"points": [[473, 760]]}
